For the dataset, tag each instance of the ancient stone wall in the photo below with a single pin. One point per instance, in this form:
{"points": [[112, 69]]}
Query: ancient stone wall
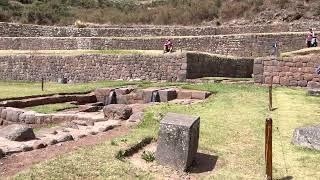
{"points": [[84, 68], [246, 45], [288, 71], [27, 30], [206, 65]]}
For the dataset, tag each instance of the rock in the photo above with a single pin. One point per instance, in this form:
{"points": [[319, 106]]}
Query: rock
{"points": [[117, 111], [27, 117], [102, 93], [12, 114], [192, 94], [39, 145], [178, 140], [136, 117], [43, 118], [1, 153], [148, 94], [49, 141], [167, 95], [70, 125], [80, 122], [307, 137], [64, 137], [314, 92], [17, 132], [106, 125]]}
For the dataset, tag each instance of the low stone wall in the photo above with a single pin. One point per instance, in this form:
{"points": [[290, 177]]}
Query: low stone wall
{"points": [[206, 65], [27, 30], [84, 68], [288, 71], [246, 45]]}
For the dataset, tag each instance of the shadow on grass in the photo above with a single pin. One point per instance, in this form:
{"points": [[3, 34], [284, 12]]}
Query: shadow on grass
{"points": [[203, 163], [285, 178]]}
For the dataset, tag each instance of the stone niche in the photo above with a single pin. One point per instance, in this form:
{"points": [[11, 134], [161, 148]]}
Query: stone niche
{"points": [[178, 141]]}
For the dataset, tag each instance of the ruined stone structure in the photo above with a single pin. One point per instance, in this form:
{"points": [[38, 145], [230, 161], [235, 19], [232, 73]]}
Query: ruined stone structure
{"points": [[288, 71], [85, 68], [28, 30], [243, 45]]}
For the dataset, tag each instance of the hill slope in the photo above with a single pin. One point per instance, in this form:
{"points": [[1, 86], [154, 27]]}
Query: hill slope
{"points": [[183, 12]]}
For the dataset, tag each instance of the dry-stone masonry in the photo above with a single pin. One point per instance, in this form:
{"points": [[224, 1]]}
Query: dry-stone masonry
{"points": [[28, 30], [243, 45], [84, 68], [288, 71], [178, 140]]}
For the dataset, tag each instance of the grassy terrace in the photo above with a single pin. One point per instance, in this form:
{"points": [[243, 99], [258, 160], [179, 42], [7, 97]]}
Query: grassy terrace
{"points": [[52, 108], [232, 128], [77, 52]]}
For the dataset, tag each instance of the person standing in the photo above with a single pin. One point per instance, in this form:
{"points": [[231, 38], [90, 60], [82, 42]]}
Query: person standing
{"points": [[309, 38]]}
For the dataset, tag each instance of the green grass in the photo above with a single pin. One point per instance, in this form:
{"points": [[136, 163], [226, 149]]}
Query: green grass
{"points": [[10, 89], [301, 52], [232, 128], [52, 108]]}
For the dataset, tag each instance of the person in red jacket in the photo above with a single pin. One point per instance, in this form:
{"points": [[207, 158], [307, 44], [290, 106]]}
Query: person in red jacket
{"points": [[168, 46]]}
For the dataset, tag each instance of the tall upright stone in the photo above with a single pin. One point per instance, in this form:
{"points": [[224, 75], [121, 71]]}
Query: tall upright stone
{"points": [[178, 140]]}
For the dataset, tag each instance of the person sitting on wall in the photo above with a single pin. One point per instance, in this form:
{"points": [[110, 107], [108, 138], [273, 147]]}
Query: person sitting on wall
{"points": [[309, 38], [168, 46]]}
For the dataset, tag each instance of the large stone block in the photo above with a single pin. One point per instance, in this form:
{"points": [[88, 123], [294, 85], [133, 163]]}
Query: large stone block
{"points": [[117, 111], [102, 93], [178, 140], [17, 132], [307, 137], [167, 95], [313, 92]]}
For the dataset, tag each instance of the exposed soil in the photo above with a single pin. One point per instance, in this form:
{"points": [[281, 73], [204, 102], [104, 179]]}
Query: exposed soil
{"points": [[204, 164], [15, 163]]}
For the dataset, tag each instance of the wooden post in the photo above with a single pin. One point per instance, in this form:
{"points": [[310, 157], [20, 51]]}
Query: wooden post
{"points": [[268, 148], [42, 84], [270, 94]]}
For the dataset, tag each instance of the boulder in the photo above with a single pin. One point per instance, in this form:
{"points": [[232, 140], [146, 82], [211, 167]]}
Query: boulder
{"points": [[117, 111], [136, 117], [307, 137], [167, 95], [72, 125], [102, 93], [39, 145], [17, 132], [178, 141]]}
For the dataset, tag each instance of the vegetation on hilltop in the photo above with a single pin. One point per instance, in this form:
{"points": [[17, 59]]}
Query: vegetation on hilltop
{"points": [[183, 12]]}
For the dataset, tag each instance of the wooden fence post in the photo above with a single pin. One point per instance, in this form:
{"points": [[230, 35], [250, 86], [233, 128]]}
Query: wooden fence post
{"points": [[268, 148], [270, 94]]}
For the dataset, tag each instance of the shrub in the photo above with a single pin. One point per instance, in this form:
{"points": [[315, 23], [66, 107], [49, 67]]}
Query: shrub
{"points": [[148, 156]]}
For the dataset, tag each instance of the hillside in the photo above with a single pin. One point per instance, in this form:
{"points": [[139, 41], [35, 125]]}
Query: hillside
{"points": [[185, 12]]}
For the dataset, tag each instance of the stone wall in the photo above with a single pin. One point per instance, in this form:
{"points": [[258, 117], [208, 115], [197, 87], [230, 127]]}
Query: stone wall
{"points": [[84, 68], [27, 30], [245, 45], [206, 65], [288, 71]]}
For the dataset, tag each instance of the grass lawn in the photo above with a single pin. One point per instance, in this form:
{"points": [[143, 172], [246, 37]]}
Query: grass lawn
{"points": [[232, 128], [18, 89], [52, 108], [9, 89]]}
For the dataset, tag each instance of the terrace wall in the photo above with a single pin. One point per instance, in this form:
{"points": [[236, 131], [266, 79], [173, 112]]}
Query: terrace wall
{"points": [[27, 30], [86, 68], [288, 71], [206, 65], [246, 45]]}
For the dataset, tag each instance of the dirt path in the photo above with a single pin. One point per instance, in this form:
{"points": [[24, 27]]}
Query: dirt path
{"points": [[21, 161]]}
